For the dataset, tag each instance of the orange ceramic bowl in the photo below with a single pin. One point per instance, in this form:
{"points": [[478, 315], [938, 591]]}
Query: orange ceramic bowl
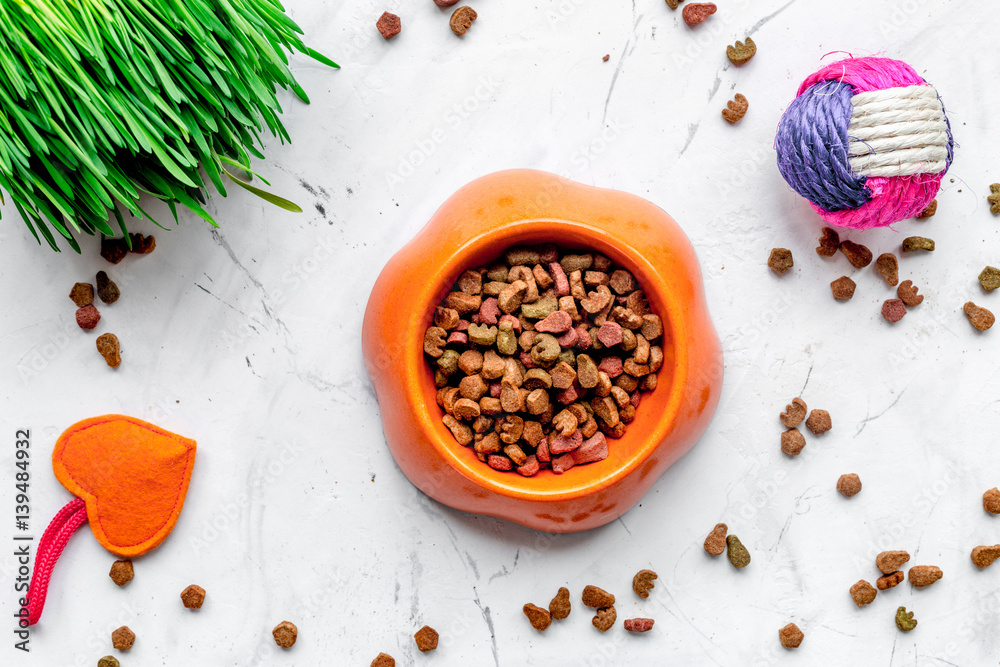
{"points": [[523, 207]]}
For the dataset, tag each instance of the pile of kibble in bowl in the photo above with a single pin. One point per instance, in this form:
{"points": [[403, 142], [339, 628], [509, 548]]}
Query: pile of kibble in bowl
{"points": [[542, 356]]}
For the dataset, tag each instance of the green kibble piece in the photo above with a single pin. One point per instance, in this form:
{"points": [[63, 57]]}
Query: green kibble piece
{"points": [[448, 362], [108, 661], [497, 273], [569, 356], [521, 256], [990, 278], [506, 339], [912, 243], [905, 620], [540, 309], [736, 552], [482, 334], [629, 341], [545, 350]]}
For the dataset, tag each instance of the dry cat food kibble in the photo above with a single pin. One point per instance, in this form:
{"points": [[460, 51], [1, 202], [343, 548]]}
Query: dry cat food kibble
{"points": [[922, 576], [597, 598], [107, 290], [193, 597], [735, 109], [715, 543], [893, 310], [740, 53], [107, 345], [461, 20], [989, 278], [994, 198], [792, 442], [843, 288], [82, 294], [605, 619], [383, 660], [388, 25], [114, 250], [888, 267], [914, 243], [780, 260], [905, 620], [122, 572], [642, 582], [673, 3], [790, 636], [863, 593], [984, 556], [542, 357], [697, 12], [639, 624], [108, 661], [979, 317], [829, 243], [560, 606], [426, 639], [907, 293], [123, 638], [446, 3], [737, 554], [794, 413], [87, 317], [285, 634], [889, 561], [539, 618], [849, 485], [142, 245], [929, 210], [991, 501], [887, 581], [819, 422], [858, 255]]}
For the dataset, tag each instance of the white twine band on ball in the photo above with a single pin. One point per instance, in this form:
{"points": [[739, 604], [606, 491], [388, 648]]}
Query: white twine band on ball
{"points": [[898, 132]]}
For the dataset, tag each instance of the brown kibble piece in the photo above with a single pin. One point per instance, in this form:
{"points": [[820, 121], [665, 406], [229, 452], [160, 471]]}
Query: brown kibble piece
{"points": [[383, 660], [984, 556], [461, 20], [193, 597], [735, 109], [426, 638], [123, 638], [989, 278], [863, 593], [794, 413], [107, 345], [819, 422], [858, 255], [979, 317], [107, 290], [929, 210], [539, 618], [889, 561], [780, 260], [122, 572], [607, 57], [907, 293], [849, 485], [893, 310], [715, 543], [829, 243], [741, 52], [790, 636], [597, 598], [888, 267], [114, 250], [888, 581], [560, 606], [924, 575], [914, 243], [285, 634], [605, 619], [87, 317], [673, 3], [82, 294], [108, 661], [639, 624], [843, 288], [994, 198], [697, 12], [991, 501], [642, 582], [389, 25], [792, 442], [142, 245]]}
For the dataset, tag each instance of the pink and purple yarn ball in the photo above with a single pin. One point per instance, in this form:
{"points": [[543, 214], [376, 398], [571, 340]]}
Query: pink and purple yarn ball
{"points": [[866, 141]]}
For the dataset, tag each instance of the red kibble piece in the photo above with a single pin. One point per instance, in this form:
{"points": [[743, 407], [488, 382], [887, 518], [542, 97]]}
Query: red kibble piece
{"points": [[612, 366], [389, 25], [893, 310], [88, 317], [501, 463], [557, 322], [697, 12], [592, 449], [610, 334], [529, 467], [562, 444], [563, 463], [639, 624]]}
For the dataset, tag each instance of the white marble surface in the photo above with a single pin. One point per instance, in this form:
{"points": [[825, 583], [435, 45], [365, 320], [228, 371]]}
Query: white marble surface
{"points": [[247, 339]]}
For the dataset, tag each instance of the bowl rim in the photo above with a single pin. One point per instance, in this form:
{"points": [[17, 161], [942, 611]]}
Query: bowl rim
{"points": [[421, 392]]}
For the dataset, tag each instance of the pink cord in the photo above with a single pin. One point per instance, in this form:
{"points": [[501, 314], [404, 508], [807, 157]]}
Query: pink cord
{"points": [[50, 547]]}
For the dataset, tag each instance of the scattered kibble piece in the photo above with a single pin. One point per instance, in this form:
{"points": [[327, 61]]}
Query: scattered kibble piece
{"points": [[991, 501], [994, 198], [790, 636], [82, 294], [605, 619], [794, 413], [122, 572], [673, 3], [929, 210], [740, 53], [715, 543], [984, 556], [843, 288], [107, 290], [979, 317], [924, 575], [888, 267], [737, 554], [780, 260], [142, 245], [114, 250], [461, 20], [108, 661], [819, 422], [887, 581], [735, 109], [792, 442], [107, 345], [849, 485], [285, 634], [913, 243], [123, 638], [893, 310], [446, 3], [989, 279], [383, 660], [905, 620], [389, 25], [829, 243], [539, 618], [560, 606], [427, 638], [607, 57], [889, 561], [907, 293], [863, 593], [639, 624], [858, 255], [193, 597], [697, 12], [642, 582], [88, 317], [597, 598]]}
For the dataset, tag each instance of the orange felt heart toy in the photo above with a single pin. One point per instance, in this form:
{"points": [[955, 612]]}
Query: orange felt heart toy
{"points": [[129, 478]]}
